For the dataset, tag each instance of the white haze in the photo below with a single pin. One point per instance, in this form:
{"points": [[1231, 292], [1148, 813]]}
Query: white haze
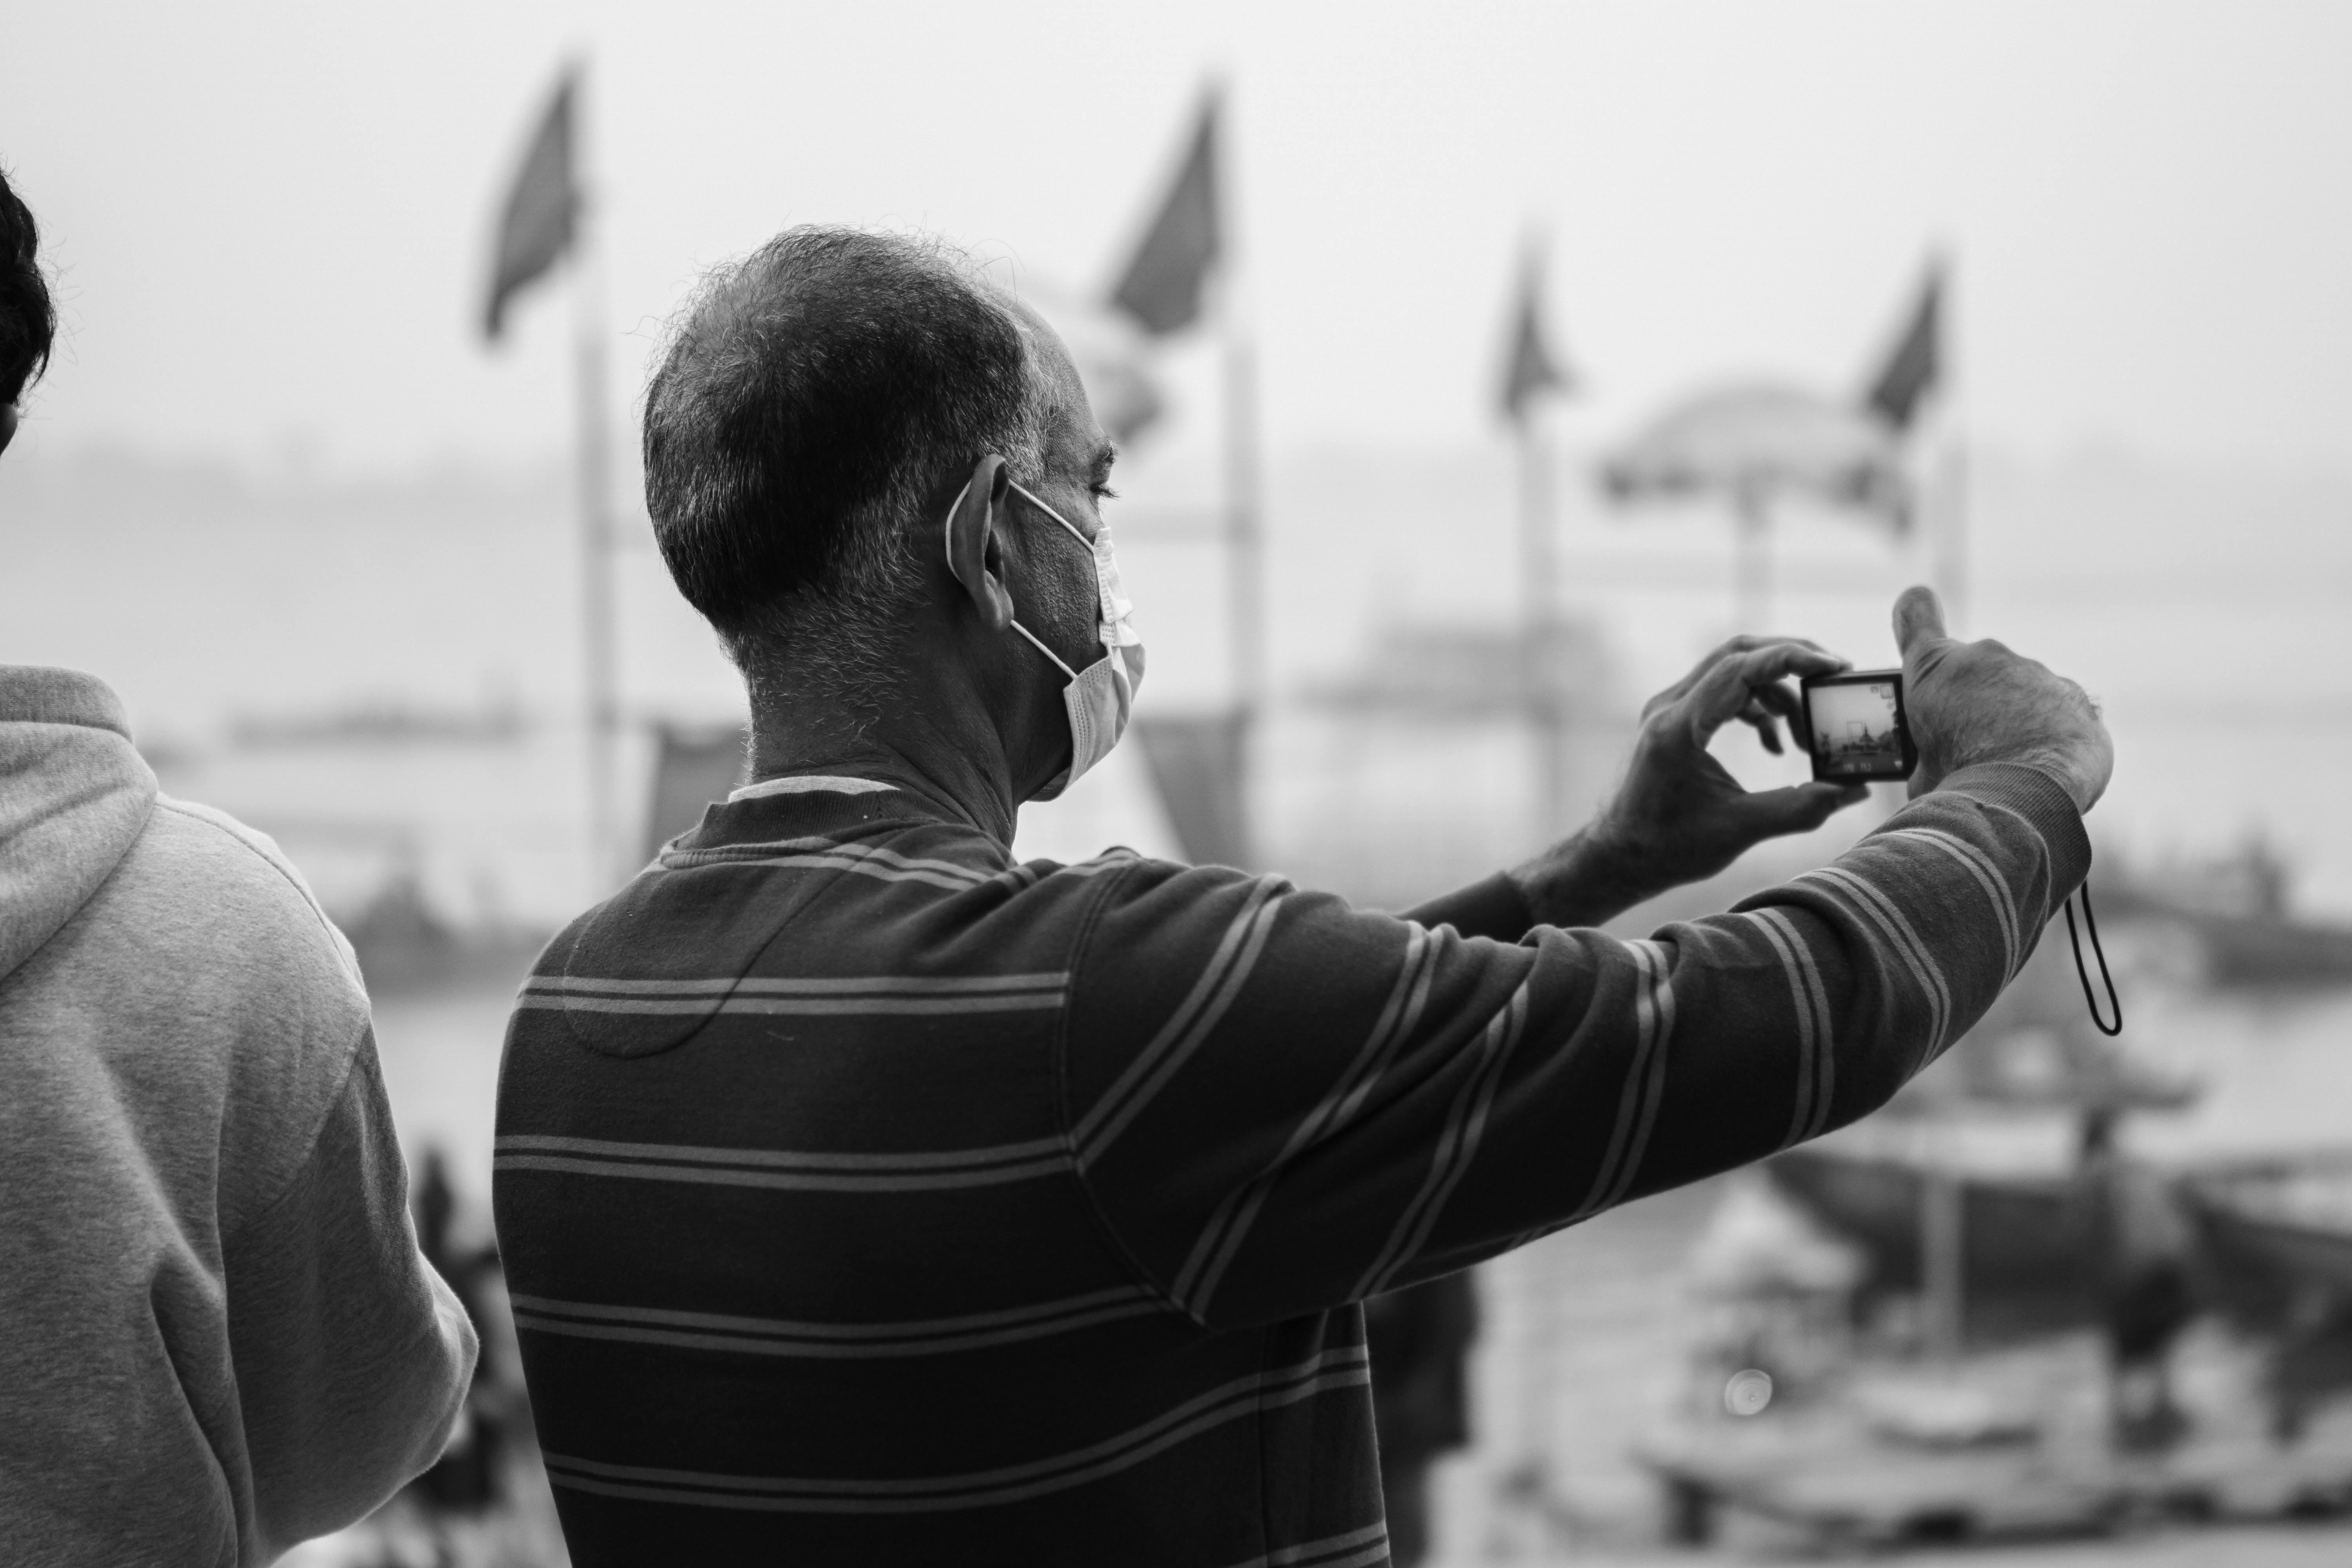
{"points": [[270, 217]]}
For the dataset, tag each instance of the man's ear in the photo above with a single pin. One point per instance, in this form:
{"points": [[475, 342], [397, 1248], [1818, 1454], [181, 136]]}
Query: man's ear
{"points": [[974, 557]]}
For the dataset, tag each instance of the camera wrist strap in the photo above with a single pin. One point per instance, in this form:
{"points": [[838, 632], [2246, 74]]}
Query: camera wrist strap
{"points": [[2113, 1005]]}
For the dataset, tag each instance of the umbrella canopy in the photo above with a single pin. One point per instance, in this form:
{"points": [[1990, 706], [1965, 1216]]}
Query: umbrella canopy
{"points": [[1752, 443]]}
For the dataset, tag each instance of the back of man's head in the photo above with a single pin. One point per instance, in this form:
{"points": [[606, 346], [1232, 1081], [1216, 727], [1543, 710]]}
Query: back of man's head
{"points": [[28, 322], [811, 397]]}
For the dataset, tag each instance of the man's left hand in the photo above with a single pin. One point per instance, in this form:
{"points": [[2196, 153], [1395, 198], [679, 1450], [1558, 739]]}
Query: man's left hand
{"points": [[1680, 815]]}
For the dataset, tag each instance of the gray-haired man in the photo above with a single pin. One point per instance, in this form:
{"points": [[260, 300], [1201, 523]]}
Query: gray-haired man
{"points": [[868, 1197]]}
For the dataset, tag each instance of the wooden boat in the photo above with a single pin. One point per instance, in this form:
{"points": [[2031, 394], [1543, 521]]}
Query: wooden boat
{"points": [[2025, 1228], [2276, 1234], [2283, 1226], [2259, 951], [2241, 919]]}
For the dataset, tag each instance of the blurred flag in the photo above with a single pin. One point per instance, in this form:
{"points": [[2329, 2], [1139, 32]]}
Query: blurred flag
{"points": [[541, 209], [1531, 368], [1912, 371], [1161, 288]]}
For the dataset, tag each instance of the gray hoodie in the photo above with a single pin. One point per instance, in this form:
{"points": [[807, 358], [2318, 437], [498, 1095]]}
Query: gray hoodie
{"points": [[217, 1337]]}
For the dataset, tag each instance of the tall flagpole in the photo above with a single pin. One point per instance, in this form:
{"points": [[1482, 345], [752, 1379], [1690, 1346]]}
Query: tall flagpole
{"points": [[1943, 1210], [1950, 571], [1538, 610], [1528, 1507], [1244, 543], [1528, 372], [600, 666], [1751, 565]]}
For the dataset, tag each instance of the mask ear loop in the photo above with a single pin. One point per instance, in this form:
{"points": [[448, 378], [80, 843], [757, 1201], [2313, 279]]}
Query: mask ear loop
{"points": [[1073, 533], [947, 543], [1041, 648], [2090, 1001], [947, 527]]}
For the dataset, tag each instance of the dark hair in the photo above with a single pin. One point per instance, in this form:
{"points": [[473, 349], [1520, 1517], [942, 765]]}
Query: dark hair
{"points": [[809, 400], [28, 323]]}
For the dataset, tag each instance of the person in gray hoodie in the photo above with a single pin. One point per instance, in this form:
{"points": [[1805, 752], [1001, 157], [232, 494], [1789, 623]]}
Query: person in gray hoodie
{"points": [[217, 1336]]}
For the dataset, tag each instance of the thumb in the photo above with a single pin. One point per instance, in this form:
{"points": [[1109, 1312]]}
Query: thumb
{"points": [[1799, 808], [1919, 620]]}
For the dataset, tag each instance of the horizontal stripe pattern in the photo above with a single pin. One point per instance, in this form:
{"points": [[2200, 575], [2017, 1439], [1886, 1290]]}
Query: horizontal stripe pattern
{"points": [[1457, 1146], [741, 1335], [1323, 1373], [1226, 1229], [1651, 1006], [783, 1170], [1220, 982], [828, 995], [1882, 912], [1081, 1143], [1816, 1053], [1979, 866], [1369, 1544], [877, 861]]}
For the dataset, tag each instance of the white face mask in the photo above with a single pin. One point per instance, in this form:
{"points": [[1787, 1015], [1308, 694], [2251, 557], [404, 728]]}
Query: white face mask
{"points": [[1099, 698]]}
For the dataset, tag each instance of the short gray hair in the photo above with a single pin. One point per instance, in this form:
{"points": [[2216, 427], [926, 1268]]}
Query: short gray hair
{"points": [[809, 399]]}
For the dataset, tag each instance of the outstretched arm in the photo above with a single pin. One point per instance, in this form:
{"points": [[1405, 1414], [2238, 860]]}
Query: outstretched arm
{"points": [[1282, 1103], [1678, 816]]}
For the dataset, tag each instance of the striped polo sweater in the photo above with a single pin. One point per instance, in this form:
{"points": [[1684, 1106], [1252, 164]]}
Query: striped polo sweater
{"points": [[867, 1198]]}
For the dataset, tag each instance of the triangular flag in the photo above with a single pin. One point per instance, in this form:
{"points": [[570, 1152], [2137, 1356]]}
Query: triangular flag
{"points": [[542, 208], [1913, 369], [1161, 288], [1531, 368]]}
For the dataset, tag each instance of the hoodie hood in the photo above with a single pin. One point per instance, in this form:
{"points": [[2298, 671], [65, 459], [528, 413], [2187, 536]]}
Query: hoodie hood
{"points": [[74, 796]]}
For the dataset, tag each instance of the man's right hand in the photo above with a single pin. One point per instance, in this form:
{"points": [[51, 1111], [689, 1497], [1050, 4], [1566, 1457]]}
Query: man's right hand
{"points": [[1973, 702]]}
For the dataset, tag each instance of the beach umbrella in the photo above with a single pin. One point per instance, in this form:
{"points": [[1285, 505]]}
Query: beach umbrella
{"points": [[1751, 444], [1763, 441]]}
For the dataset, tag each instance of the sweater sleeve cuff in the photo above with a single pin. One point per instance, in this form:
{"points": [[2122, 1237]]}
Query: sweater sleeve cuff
{"points": [[2042, 801], [1491, 908]]}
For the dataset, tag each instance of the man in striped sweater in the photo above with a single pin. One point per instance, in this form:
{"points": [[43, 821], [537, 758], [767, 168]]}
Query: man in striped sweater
{"points": [[867, 1197]]}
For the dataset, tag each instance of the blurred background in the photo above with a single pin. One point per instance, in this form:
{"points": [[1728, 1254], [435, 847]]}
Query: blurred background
{"points": [[1478, 368]]}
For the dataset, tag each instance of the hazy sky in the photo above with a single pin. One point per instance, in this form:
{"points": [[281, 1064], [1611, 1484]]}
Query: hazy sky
{"points": [[270, 219]]}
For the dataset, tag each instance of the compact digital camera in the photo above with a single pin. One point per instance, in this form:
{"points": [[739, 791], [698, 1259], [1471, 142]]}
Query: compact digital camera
{"points": [[1855, 726]]}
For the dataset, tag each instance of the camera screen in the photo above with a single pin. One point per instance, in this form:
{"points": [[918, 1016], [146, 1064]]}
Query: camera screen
{"points": [[1854, 730]]}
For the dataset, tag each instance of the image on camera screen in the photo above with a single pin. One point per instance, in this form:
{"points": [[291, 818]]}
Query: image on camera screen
{"points": [[1854, 729]]}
